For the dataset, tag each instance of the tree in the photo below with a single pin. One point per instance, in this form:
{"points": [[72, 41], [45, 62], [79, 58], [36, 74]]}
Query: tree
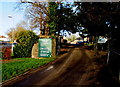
{"points": [[48, 16], [53, 18], [14, 32], [97, 16], [66, 18], [100, 18], [92, 16], [37, 13], [24, 24], [26, 40], [71, 38]]}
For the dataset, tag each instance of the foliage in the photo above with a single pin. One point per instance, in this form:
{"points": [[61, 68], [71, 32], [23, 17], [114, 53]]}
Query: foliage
{"points": [[101, 19], [71, 38], [53, 18], [57, 15], [21, 66], [13, 33], [6, 52], [93, 16], [98, 18], [40, 13], [26, 40]]}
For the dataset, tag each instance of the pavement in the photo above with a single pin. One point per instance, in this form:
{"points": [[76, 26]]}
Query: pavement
{"points": [[78, 68]]}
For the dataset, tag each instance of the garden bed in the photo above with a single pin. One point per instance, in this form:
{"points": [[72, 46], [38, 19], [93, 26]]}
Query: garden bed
{"points": [[14, 68]]}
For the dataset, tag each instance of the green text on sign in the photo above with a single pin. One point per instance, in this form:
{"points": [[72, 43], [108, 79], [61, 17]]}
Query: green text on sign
{"points": [[45, 48]]}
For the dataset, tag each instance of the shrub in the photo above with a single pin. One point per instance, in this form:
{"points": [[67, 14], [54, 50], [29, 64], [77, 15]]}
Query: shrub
{"points": [[26, 40], [6, 52]]}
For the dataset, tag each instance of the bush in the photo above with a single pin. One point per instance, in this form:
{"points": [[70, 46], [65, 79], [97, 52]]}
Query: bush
{"points": [[26, 40], [6, 52]]}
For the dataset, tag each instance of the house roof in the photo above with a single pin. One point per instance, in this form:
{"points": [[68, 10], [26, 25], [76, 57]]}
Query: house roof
{"points": [[2, 37]]}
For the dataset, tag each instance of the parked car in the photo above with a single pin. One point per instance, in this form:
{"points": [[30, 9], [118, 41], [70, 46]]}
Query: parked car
{"points": [[6, 44], [80, 43]]}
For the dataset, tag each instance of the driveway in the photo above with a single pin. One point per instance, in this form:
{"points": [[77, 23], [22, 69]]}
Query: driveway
{"points": [[77, 69]]}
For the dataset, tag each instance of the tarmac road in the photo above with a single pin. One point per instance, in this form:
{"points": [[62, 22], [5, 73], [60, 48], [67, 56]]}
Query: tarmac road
{"points": [[69, 71]]}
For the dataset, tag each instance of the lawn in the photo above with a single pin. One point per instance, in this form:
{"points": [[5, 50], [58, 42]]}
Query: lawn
{"points": [[21, 65]]}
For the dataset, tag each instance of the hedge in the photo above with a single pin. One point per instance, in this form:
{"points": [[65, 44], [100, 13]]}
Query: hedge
{"points": [[26, 40]]}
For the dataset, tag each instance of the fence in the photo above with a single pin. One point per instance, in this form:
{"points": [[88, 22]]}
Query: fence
{"points": [[114, 61]]}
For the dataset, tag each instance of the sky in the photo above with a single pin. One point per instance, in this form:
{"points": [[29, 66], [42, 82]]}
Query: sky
{"points": [[7, 8]]}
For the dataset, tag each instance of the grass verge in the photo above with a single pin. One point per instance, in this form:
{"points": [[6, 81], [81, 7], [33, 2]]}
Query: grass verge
{"points": [[22, 65]]}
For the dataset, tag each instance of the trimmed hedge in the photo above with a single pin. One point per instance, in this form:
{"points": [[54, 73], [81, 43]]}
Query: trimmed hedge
{"points": [[26, 40]]}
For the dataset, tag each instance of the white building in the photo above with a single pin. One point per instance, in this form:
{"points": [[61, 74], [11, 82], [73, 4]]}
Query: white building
{"points": [[3, 38]]}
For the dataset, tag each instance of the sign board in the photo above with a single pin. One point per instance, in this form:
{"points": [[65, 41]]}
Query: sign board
{"points": [[45, 47]]}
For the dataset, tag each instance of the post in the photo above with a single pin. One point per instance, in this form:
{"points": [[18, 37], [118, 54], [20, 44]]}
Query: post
{"points": [[53, 47], [9, 16]]}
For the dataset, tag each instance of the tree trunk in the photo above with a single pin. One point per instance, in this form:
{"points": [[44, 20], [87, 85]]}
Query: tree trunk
{"points": [[95, 45], [53, 47]]}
